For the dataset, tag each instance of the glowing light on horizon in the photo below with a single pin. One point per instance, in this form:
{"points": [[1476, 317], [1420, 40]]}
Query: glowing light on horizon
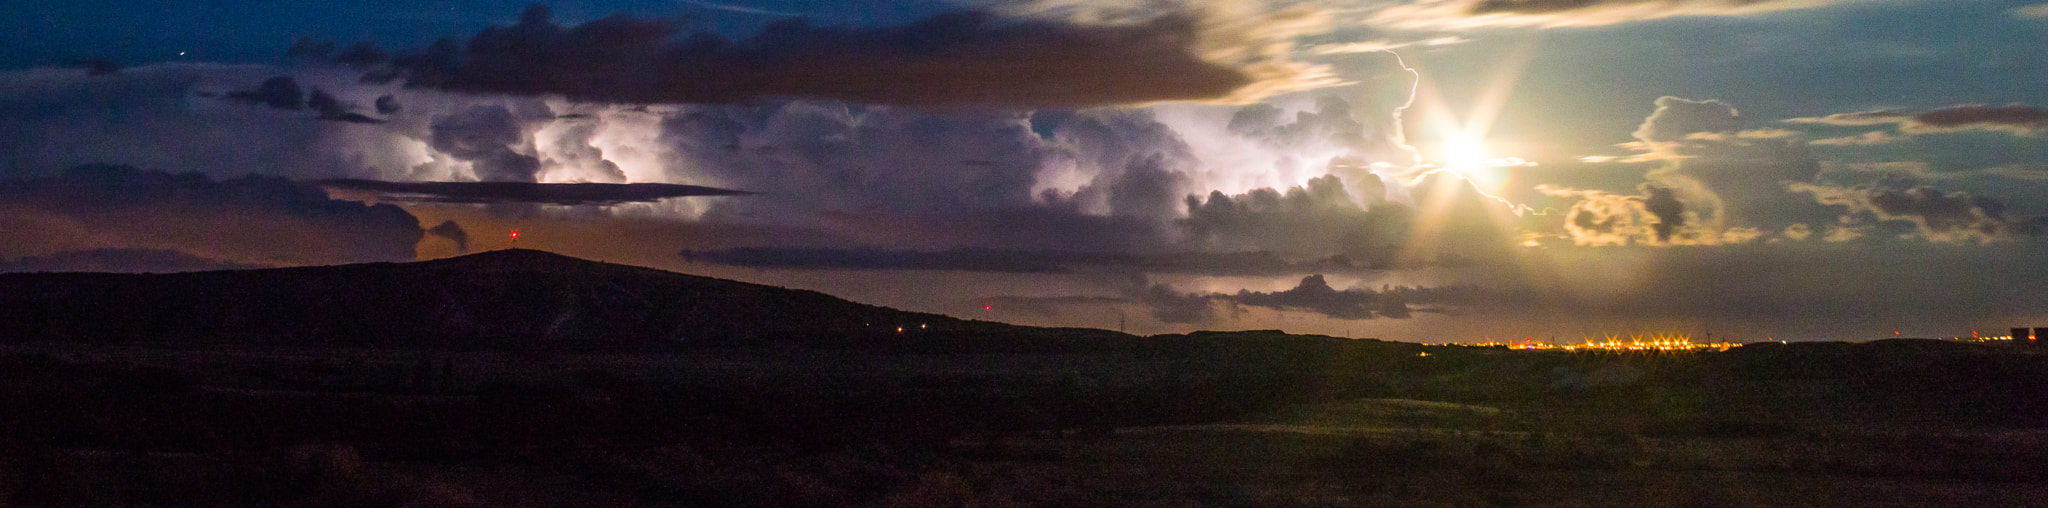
{"points": [[1648, 343]]}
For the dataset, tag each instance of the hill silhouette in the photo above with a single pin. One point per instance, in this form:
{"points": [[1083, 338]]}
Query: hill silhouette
{"points": [[500, 299]]}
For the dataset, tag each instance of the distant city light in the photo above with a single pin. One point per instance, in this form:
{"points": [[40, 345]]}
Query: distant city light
{"points": [[1652, 343]]}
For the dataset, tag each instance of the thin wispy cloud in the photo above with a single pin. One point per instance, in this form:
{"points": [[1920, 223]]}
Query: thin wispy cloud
{"points": [[2016, 119], [1478, 14], [740, 8]]}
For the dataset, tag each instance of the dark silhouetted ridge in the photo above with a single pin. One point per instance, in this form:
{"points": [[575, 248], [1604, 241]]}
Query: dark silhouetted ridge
{"points": [[515, 260], [511, 298]]}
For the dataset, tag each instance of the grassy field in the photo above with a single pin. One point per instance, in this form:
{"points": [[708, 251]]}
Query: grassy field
{"points": [[1403, 452], [1199, 421]]}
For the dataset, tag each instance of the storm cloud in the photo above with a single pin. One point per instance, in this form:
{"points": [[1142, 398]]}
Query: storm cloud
{"points": [[486, 136], [253, 220], [173, 117], [960, 58], [525, 192], [1320, 217], [854, 159]]}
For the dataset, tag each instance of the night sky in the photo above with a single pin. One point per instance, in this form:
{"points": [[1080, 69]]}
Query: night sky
{"points": [[1422, 170]]}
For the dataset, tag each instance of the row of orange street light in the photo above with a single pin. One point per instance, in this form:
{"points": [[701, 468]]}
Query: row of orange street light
{"points": [[1652, 343], [1660, 342], [1987, 338]]}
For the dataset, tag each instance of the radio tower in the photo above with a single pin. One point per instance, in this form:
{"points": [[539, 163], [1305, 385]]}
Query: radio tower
{"points": [[515, 238]]}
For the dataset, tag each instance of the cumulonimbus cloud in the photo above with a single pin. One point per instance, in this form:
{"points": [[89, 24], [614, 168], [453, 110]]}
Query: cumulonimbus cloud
{"points": [[525, 192]]}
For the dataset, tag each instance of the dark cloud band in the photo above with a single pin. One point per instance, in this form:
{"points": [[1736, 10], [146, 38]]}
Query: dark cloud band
{"points": [[1314, 295], [1015, 261], [523, 192], [956, 58], [249, 220], [121, 261], [2013, 118], [1556, 6]]}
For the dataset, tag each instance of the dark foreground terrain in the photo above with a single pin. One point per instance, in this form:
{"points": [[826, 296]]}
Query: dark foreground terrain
{"points": [[979, 414]]}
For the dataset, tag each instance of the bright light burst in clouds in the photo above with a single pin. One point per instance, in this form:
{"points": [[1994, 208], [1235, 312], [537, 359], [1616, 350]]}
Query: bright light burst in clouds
{"points": [[1422, 170], [1464, 152]]}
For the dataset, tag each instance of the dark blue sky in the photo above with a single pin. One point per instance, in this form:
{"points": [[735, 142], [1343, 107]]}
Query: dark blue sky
{"points": [[134, 33]]}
